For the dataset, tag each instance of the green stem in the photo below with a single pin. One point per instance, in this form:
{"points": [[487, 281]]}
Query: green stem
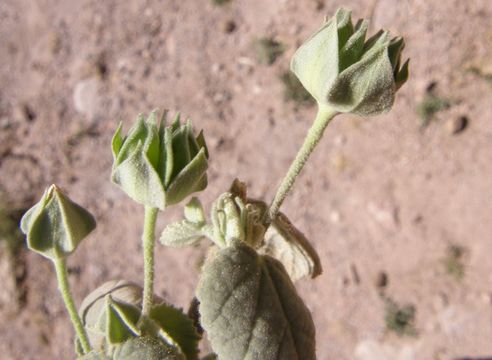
{"points": [[323, 117], [148, 241], [63, 285]]}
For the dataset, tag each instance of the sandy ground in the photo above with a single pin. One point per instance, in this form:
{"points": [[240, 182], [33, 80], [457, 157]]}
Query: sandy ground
{"points": [[382, 195]]}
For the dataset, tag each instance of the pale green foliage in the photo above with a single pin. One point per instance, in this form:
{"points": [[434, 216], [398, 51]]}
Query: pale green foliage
{"points": [[188, 231], [117, 297], [237, 219], [148, 348], [140, 348], [56, 225], [348, 74], [159, 166], [250, 308], [193, 211], [182, 233], [248, 303], [111, 314], [179, 326]]}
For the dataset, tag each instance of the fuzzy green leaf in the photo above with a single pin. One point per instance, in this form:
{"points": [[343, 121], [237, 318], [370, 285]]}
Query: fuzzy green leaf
{"points": [[191, 178], [251, 310], [179, 327], [146, 348], [181, 233]]}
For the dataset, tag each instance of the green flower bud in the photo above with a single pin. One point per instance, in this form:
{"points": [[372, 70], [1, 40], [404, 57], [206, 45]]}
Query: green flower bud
{"points": [[159, 166], [56, 225], [112, 315], [236, 219], [345, 72], [111, 312]]}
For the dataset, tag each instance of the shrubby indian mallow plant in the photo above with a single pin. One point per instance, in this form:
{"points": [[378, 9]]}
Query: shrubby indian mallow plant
{"points": [[246, 300]]}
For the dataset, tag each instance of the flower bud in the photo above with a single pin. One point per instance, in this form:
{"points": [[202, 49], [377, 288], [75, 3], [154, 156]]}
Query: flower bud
{"points": [[112, 316], [111, 312], [56, 225], [237, 219], [345, 72], [159, 166]]}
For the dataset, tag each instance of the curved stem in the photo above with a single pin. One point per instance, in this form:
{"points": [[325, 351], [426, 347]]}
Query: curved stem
{"points": [[64, 287], [323, 117], [148, 242]]}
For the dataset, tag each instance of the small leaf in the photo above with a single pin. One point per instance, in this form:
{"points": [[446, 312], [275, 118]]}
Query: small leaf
{"points": [[146, 348], [250, 308], [181, 233], [139, 179], [200, 140], [286, 243], [117, 141], [179, 327], [192, 178], [120, 322], [193, 211]]}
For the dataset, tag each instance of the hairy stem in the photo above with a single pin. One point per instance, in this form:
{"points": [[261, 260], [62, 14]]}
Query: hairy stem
{"points": [[323, 117], [148, 241], [63, 285]]}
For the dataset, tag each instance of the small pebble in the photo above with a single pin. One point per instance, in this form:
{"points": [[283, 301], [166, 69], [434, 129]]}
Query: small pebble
{"points": [[382, 280], [86, 96], [486, 298], [456, 125], [24, 112], [355, 274], [335, 217], [229, 26], [5, 123]]}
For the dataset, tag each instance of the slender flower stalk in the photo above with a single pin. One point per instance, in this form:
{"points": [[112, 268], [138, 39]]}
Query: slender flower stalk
{"points": [[63, 285], [148, 242], [315, 133]]}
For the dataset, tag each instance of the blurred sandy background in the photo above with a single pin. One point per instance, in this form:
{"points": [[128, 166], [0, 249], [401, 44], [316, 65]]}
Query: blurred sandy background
{"points": [[399, 207]]}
